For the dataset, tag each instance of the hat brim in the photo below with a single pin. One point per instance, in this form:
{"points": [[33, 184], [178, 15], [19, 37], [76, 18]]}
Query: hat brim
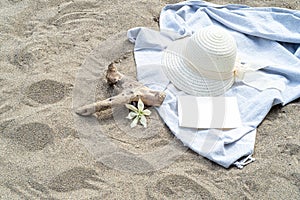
{"points": [[186, 78]]}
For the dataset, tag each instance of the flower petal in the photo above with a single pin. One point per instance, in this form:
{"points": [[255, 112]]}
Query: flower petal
{"points": [[131, 115], [143, 121], [146, 112], [140, 105], [134, 122], [131, 107]]}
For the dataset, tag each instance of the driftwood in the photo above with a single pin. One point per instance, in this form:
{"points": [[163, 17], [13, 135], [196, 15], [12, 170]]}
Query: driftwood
{"points": [[130, 91]]}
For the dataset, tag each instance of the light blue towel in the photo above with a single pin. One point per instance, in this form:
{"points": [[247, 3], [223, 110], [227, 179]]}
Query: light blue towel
{"points": [[266, 36]]}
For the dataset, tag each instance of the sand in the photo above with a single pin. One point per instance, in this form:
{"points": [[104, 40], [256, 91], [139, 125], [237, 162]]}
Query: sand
{"points": [[43, 155]]}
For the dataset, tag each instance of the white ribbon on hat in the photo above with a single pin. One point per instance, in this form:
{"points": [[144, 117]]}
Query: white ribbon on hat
{"points": [[250, 75]]}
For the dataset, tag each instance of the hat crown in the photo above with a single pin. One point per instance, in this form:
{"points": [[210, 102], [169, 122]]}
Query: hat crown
{"points": [[211, 49]]}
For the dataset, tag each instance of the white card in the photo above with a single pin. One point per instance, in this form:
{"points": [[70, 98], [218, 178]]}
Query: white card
{"points": [[208, 112]]}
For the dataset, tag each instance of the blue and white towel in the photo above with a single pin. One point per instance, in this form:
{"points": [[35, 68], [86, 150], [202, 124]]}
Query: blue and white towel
{"points": [[266, 36]]}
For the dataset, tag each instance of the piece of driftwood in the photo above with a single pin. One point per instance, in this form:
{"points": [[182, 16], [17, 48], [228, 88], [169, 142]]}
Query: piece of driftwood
{"points": [[128, 91]]}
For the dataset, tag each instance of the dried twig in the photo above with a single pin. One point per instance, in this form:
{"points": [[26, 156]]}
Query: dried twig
{"points": [[131, 90]]}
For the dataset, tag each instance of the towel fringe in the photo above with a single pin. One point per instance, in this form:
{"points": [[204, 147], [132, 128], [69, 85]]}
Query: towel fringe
{"points": [[241, 164]]}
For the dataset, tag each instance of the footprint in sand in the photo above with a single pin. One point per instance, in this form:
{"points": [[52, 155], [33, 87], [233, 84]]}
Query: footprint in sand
{"points": [[296, 179], [26, 54], [290, 149], [175, 187], [75, 179], [33, 136], [47, 91]]}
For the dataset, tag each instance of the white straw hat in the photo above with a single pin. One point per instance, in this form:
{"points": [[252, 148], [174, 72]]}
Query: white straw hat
{"points": [[203, 64]]}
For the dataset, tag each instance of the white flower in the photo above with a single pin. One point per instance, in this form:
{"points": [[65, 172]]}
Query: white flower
{"points": [[138, 114]]}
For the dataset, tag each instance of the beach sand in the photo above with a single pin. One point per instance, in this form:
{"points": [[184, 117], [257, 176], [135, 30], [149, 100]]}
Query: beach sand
{"points": [[43, 46]]}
